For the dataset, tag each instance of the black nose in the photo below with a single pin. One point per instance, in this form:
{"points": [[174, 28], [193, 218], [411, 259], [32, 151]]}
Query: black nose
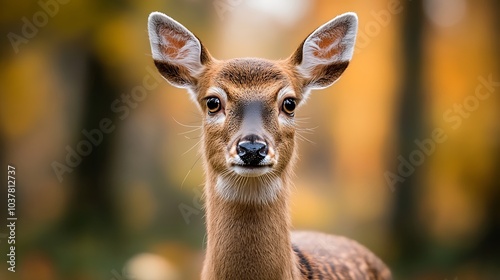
{"points": [[252, 149]]}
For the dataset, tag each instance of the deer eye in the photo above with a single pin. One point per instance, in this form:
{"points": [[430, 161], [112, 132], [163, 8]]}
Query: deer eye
{"points": [[213, 105], [289, 105]]}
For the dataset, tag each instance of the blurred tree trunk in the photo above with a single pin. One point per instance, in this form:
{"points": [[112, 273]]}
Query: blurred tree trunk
{"points": [[92, 205], [490, 244], [410, 127]]}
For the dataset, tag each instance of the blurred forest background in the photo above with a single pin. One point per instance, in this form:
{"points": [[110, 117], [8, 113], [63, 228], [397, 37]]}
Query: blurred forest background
{"points": [[127, 207]]}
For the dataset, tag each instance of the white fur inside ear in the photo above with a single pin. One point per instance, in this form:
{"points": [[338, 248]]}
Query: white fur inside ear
{"points": [[173, 43], [331, 43]]}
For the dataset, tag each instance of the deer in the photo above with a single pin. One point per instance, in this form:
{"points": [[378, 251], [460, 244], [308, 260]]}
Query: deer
{"points": [[249, 148]]}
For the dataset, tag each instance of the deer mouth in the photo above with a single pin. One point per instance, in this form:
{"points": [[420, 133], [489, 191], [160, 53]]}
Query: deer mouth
{"points": [[242, 168], [248, 170]]}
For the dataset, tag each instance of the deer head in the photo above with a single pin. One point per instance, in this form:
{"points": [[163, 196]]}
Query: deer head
{"points": [[248, 104]]}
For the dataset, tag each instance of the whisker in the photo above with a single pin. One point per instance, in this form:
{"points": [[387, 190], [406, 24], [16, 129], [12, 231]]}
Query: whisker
{"points": [[308, 130], [189, 131], [189, 172], [302, 120], [303, 138], [191, 148], [185, 125]]}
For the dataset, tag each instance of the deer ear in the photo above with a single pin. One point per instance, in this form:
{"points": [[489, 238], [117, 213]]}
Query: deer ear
{"points": [[325, 54], [178, 54]]}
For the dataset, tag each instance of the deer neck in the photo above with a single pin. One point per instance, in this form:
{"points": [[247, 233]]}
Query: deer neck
{"points": [[248, 240]]}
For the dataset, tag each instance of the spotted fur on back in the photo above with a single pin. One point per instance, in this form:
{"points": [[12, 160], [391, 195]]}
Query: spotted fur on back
{"points": [[329, 257]]}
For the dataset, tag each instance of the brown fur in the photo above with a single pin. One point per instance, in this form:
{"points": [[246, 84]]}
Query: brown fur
{"points": [[323, 256], [251, 239], [248, 241]]}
